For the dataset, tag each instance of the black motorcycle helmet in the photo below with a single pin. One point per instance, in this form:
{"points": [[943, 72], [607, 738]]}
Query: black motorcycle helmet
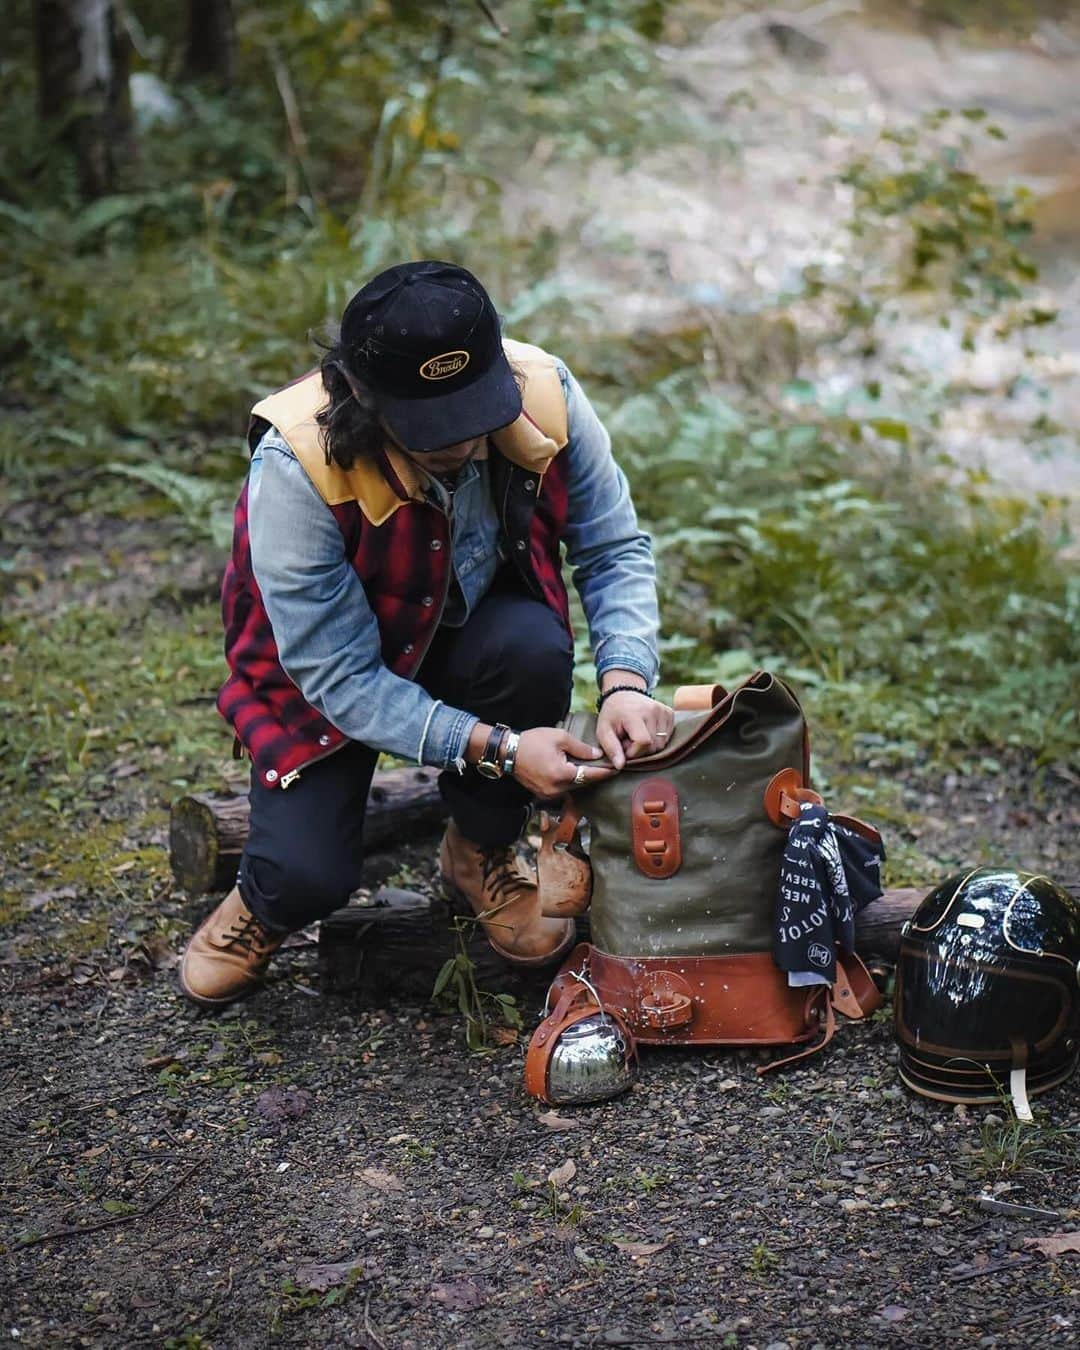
{"points": [[988, 989]]}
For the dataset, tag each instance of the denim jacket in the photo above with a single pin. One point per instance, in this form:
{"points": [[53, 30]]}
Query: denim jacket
{"points": [[327, 636]]}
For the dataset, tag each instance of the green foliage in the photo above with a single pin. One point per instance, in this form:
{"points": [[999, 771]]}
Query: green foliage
{"points": [[923, 222], [1011, 1147], [922, 610], [456, 988]]}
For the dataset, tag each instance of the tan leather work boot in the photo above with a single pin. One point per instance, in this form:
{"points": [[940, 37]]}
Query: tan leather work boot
{"points": [[228, 954], [502, 894]]}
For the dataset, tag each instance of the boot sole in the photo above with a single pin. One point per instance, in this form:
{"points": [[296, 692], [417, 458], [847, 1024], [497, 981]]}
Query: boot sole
{"points": [[205, 1002], [527, 962]]}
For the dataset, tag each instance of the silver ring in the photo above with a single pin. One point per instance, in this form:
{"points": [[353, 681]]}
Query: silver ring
{"points": [[579, 777], [663, 735]]}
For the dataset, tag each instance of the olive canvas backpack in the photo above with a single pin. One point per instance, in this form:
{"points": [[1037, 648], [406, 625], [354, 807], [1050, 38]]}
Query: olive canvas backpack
{"points": [[681, 878]]}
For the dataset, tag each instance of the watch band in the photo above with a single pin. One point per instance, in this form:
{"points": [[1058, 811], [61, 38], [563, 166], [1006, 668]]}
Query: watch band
{"points": [[510, 753], [488, 765]]}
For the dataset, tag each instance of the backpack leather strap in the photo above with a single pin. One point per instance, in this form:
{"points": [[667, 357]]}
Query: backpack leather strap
{"points": [[854, 994]]}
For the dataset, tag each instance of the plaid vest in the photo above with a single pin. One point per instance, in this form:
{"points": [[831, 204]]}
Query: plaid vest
{"points": [[399, 546]]}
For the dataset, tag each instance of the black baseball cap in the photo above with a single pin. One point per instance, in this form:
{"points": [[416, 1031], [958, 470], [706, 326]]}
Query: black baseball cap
{"points": [[425, 338]]}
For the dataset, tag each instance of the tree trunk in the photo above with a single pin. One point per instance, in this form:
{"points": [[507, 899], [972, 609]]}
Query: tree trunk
{"points": [[211, 42], [207, 834], [82, 62]]}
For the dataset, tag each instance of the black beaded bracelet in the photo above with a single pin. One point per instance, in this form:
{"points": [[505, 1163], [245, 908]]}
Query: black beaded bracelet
{"points": [[620, 689]]}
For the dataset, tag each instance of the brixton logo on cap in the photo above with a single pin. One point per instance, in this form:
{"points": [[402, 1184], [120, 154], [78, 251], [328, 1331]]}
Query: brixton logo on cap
{"points": [[442, 367]]}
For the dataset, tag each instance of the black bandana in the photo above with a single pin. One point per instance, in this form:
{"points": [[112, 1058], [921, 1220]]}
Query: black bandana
{"points": [[829, 872]]}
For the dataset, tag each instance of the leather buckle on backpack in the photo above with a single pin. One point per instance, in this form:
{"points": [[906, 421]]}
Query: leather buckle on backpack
{"points": [[785, 794], [654, 828], [663, 1001]]}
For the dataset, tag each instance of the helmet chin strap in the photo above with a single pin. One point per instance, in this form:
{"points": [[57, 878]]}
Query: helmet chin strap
{"points": [[1018, 1082], [1018, 1093]]}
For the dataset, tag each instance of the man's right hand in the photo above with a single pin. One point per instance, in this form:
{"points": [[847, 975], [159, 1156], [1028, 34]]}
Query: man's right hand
{"points": [[546, 762]]}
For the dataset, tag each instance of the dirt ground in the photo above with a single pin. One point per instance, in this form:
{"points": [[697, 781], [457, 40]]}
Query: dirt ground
{"points": [[300, 1172]]}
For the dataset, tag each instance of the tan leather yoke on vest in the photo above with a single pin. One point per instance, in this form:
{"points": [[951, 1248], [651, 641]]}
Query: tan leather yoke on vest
{"points": [[531, 442]]}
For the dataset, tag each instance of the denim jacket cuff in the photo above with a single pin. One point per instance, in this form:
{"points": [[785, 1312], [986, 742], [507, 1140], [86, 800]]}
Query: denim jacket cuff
{"points": [[445, 736], [627, 653]]}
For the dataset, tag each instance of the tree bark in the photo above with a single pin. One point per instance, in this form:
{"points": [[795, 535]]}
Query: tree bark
{"points": [[207, 833], [211, 42], [391, 950], [82, 63]]}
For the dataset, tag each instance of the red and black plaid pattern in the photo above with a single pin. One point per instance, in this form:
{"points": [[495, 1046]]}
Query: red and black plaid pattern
{"points": [[405, 578]]}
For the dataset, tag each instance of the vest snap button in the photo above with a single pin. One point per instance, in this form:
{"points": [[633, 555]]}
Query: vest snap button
{"points": [[271, 775], [520, 545], [408, 649], [427, 601], [530, 484], [324, 739], [436, 544]]}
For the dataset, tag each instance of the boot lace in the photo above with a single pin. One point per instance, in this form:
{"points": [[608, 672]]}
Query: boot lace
{"points": [[247, 935], [499, 875]]}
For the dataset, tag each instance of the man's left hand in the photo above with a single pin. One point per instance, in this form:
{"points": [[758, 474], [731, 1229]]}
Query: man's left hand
{"points": [[631, 724]]}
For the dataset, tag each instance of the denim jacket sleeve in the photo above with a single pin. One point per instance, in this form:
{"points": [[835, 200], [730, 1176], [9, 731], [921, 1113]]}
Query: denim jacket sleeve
{"points": [[611, 558], [327, 636]]}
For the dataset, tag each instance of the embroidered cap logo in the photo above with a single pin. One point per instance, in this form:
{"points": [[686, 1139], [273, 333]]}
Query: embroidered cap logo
{"points": [[442, 367]]}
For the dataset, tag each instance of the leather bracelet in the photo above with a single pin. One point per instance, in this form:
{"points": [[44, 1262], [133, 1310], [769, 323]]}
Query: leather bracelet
{"points": [[510, 754], [620, 689], [488, 765]]}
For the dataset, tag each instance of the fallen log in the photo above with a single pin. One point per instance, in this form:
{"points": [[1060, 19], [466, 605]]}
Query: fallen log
{"points": [[207, 833], [392, 948], [877, 927]]}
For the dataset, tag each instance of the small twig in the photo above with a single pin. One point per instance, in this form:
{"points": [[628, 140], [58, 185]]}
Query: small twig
{"points": [[369, 1330], [115, 1101], [493, 18], [994, 1268], [120, 1218]]}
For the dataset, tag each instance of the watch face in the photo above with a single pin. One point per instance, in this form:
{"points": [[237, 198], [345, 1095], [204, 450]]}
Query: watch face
{"points": [[488, 770]]}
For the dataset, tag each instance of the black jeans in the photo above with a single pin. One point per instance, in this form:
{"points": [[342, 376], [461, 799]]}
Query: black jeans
{"points": [[511, 662]]}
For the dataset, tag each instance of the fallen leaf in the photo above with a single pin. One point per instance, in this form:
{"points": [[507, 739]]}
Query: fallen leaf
{"points": [[278, 1105], [503, 1035], [94, 1152], [728, 1085], [638, 1250], [554, 1121], [460, 1296], [400, 1138], [563, 1174], [123, 867], [321, 1276], [1057, 1244], [381, 1181]]}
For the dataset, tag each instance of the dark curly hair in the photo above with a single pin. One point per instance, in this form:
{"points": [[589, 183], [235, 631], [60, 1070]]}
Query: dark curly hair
{"points": [[349, 423]]}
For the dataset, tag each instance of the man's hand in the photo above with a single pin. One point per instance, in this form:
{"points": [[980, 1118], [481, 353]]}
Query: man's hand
{"points": [[632, 724], [543, 764]]}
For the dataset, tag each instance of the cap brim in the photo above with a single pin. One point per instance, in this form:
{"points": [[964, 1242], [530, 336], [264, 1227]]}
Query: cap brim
{"points": [[423, 424]]}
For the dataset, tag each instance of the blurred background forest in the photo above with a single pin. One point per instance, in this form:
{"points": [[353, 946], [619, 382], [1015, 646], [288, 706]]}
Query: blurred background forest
{"points": [[816, 268]]}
